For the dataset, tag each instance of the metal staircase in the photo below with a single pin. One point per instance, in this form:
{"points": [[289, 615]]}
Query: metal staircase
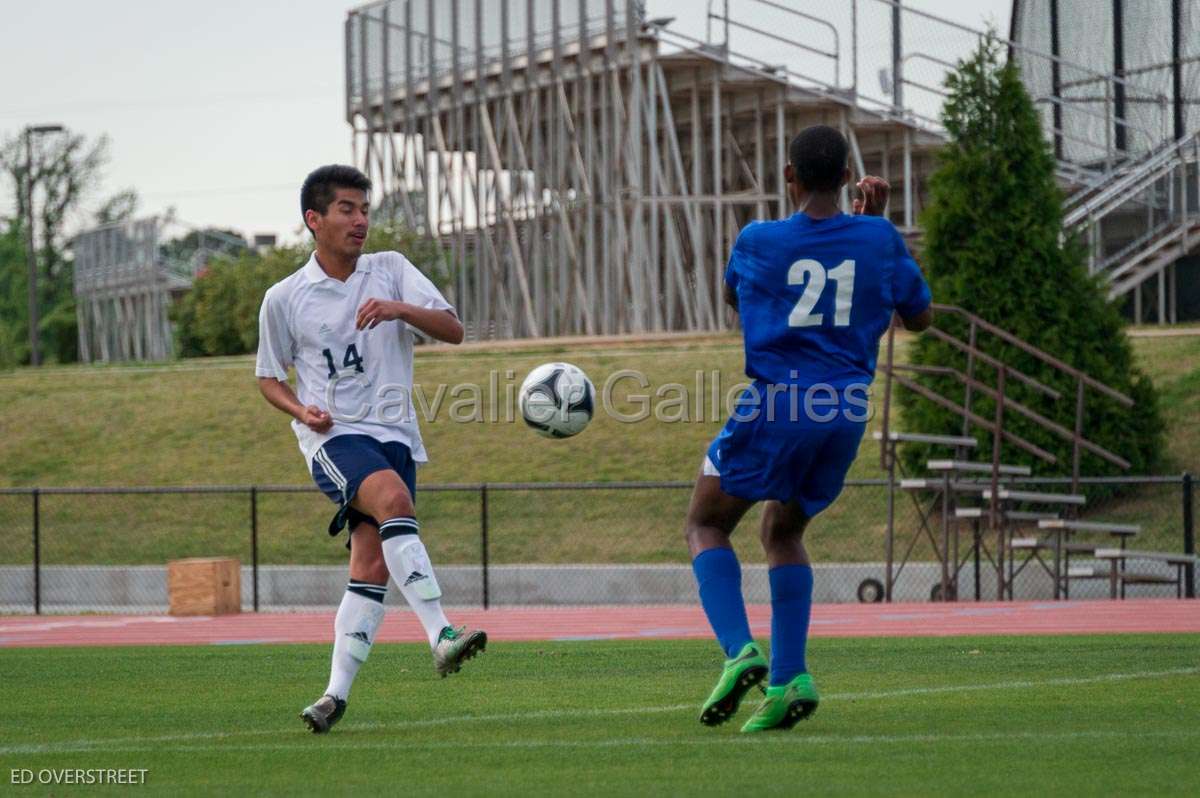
{"points": [[1142, 221]]}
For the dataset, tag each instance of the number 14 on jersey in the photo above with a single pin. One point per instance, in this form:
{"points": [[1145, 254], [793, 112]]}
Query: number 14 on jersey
{"points": [[351, 360]]}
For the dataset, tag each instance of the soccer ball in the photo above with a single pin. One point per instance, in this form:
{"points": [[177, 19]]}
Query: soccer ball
{"points": [[557, 399]]}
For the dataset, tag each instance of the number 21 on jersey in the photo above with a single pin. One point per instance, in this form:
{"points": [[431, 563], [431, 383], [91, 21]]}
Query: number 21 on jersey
{"points": [[813, 276]]}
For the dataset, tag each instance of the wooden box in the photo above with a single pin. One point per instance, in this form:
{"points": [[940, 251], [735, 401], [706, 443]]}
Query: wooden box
{"points": [[204, 586]]}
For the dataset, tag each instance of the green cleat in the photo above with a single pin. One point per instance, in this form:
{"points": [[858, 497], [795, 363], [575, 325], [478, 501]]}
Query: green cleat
{"points": [[785, 705], [455, 645], [741, 673]]}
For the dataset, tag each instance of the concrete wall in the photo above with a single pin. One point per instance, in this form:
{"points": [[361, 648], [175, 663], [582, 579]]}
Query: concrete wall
{"points": [[125, 589]]}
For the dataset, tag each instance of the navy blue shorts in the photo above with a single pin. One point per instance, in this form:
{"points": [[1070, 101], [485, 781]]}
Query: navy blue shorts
{"points": [[340, 466], [803, 461]]}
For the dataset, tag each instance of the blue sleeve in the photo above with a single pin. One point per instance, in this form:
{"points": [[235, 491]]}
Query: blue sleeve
{"points": [[737, 256], [910, 292], [731, 273]]}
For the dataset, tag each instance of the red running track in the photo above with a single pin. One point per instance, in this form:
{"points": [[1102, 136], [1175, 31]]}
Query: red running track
{"points": [[607, 623]]}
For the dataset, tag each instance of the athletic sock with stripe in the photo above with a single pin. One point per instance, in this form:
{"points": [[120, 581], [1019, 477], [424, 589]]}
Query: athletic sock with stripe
{"points": [[408, 563], [358, 619]]}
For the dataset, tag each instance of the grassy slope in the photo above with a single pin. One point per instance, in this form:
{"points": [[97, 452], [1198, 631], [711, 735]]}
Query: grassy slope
{"points": [[965, 716], [204, 423]]}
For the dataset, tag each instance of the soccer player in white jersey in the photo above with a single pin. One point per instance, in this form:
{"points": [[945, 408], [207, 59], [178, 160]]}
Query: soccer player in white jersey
{"points": [[345, 322]]}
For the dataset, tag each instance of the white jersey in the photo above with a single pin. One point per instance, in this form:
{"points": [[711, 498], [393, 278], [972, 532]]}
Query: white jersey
{"points": [[363, 378]]}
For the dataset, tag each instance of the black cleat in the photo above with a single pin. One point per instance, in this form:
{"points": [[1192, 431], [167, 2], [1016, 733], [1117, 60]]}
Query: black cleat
{"points": [[326, 711]]}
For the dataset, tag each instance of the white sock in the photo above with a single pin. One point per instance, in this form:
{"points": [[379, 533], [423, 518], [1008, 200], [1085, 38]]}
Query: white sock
{"points": [[358, 618], [408, 563]]}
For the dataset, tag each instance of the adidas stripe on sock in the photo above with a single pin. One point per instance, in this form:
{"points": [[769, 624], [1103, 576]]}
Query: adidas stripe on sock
{"points": [[358, 619], [414, 577], [367, 590], [403, 525]]}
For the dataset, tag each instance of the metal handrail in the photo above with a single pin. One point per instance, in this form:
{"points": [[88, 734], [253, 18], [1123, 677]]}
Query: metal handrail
{"points": [[995, 426], [782, 74], [833, 56], [796, 12], [908, 9], [1030, 349], [1181, 230], [1116, 192], [1134, 245], [1067, 104], [1067, 168], [837, 45]]}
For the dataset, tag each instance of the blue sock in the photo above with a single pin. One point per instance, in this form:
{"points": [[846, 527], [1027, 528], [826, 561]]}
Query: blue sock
{"points": [[791, 606], [720, 579]]}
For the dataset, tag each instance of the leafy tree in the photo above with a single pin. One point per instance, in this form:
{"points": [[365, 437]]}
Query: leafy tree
{"points": [[993, 246], [65, 170], [14, 305], [120, 207]]}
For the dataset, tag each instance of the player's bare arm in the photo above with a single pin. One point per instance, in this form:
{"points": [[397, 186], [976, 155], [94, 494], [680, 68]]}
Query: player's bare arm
{"points": [[875, 191], [281, 396], [440, 324], [731, 297]]}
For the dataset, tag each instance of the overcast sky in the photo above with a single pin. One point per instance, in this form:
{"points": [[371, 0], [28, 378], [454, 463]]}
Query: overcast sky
{"points": [[219, 108]]}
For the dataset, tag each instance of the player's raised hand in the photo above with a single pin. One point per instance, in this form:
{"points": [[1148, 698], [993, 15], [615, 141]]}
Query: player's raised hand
{"points": [[874, 198], [316, 419], [374, 311]]}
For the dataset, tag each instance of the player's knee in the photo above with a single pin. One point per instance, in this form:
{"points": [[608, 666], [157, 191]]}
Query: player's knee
{"points": [[703, 533], [396, 504], [781, 530], [693, 527]]}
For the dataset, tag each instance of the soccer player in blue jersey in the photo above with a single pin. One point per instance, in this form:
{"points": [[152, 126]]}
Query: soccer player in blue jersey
{"points": [[815, 293]]}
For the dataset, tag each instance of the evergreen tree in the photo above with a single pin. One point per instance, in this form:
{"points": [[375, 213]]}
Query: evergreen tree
{"points": [[994, 246]]}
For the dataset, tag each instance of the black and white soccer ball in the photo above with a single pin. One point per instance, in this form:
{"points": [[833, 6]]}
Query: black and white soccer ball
{"points": [[557, 400]]}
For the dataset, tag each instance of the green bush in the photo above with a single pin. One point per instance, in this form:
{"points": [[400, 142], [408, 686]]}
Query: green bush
{"points": [[993, 245]]}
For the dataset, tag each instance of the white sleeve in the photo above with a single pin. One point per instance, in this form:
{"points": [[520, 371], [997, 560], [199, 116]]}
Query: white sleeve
{"points": [[275, 341], [417, 289]]}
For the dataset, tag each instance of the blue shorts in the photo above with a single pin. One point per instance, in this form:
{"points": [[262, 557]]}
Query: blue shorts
{"points": [[803, 460], [340, 466]]}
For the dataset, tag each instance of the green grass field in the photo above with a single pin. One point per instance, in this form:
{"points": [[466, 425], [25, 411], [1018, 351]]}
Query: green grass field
{"points": [[203, 422], [1040, 715]]}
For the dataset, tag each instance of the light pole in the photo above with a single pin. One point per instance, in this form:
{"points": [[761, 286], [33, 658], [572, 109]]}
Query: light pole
{"points": [[35, 355]]}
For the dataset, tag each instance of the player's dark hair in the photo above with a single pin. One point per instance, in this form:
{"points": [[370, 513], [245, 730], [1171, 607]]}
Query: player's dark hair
{"points": [[322, 184], [818, 156]]}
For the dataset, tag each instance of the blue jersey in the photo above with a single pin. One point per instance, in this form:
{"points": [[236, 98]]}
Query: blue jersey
{"points": [[815, 296]]}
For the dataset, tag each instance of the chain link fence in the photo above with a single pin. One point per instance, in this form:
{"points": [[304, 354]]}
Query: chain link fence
{"points": [[106, 550]]}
